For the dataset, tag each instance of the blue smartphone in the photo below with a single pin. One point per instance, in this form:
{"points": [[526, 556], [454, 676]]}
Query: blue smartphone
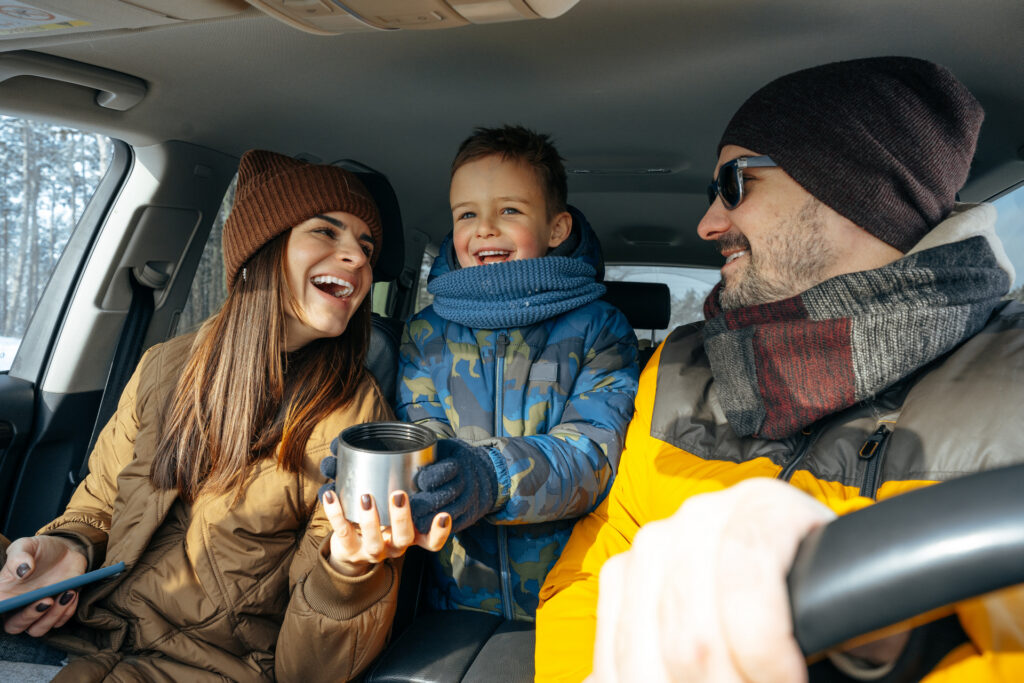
{"points": [[26, 599]]}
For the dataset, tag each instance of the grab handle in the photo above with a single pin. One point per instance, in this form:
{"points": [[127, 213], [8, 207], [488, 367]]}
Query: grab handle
{"points": [[115, 90]]}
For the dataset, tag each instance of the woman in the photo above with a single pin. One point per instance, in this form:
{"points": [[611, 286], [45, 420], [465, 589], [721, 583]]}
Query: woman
{"points": [[205, 480]]}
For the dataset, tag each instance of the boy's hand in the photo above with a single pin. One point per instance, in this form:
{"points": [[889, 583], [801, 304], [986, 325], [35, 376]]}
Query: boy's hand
{"points": [[462, 483]]}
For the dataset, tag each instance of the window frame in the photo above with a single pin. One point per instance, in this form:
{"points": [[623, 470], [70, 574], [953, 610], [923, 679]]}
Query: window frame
{"points": [[30, 360]]}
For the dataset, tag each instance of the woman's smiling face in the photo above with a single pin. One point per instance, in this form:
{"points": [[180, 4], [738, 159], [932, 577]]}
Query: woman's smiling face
{"points": [[327, 266]]}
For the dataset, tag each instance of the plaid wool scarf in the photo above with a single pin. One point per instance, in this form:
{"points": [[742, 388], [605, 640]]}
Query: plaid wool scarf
{"points": [[781, 366]]}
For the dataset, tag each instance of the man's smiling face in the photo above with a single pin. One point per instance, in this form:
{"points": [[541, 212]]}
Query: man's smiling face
{"points": [[781, 241]]}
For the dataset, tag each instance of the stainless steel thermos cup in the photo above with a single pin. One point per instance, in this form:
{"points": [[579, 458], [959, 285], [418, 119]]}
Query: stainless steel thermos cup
{"points": [[378, 458]]}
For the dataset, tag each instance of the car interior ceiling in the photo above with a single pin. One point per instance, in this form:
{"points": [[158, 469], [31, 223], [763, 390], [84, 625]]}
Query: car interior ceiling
{"points": [[635, 95]]}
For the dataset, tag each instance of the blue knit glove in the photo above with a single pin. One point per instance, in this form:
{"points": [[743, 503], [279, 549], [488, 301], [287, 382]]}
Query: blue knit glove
{"points": [[462, 482], [328, 468]]}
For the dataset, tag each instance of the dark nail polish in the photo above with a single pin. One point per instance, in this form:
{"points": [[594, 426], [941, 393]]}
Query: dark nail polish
{"points": [[365, 501], [329, 497], [398, 499], [444, 521], [66, 597], [43, 606], [22, 569]]}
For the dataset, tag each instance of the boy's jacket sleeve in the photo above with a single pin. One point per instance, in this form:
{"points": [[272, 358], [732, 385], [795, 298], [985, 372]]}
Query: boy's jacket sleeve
{"points": [[560, 473], [567, 471]]}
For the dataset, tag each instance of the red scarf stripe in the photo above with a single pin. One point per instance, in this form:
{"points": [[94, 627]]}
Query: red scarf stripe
{"points": [[804, 370], [766, 314]]}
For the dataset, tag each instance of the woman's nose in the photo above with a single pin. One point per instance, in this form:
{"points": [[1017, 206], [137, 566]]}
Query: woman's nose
{"points": [[351, 251]]}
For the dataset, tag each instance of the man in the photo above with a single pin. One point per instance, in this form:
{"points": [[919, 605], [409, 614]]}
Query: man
{"points": [[857, 347]]}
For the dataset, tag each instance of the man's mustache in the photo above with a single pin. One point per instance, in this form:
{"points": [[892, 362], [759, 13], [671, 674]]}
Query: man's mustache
{"points": [[731, 241]]}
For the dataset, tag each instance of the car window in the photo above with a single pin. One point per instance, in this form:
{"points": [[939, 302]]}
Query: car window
{"points": [[49, 173], [423, 297], [209, 288], [1010, 228], [689, 288]]}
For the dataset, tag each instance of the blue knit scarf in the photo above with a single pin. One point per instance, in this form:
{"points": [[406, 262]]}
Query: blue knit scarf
{"points": [[514, 293]]}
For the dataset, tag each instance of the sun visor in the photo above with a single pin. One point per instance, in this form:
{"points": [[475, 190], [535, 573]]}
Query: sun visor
{"points": [[330, 17], [49, 21]]}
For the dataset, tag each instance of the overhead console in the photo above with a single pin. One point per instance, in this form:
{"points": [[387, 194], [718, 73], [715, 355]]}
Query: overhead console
{"points": [[329, 17], [36, 23]]}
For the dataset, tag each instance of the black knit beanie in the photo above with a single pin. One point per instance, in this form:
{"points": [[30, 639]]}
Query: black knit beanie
{"points": [[885, 141]]}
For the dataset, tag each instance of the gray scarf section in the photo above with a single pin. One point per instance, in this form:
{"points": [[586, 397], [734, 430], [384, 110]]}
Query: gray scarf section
{"points": [[780, 367]]}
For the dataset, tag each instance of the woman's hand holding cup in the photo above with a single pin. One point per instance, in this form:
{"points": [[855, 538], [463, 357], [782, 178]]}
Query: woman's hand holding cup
{"points": [[355, 549]]}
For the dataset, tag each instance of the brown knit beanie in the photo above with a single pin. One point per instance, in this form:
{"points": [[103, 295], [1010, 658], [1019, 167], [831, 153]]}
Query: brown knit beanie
{"points": [[886, 141], [275, 193]]}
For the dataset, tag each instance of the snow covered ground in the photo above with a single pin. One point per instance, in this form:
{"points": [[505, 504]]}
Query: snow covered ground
{"points": [[8, 347]]}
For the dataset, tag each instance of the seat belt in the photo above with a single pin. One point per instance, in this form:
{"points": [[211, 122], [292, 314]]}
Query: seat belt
{"points": [[126, 353]]}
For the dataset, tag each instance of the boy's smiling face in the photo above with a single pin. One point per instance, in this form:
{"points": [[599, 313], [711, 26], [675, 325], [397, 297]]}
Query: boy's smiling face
{"points": [[500, 213]]}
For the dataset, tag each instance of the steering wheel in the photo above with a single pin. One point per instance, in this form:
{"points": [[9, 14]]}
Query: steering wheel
{"points": [[908, 555]]}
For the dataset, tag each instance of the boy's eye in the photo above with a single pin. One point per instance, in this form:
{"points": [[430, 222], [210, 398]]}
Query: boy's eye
{"points": [[367, 251], [510, 210], [465, 215]]}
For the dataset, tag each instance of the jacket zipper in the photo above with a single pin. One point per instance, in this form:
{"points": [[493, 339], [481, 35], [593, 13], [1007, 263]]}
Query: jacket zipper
{"points": [[873, 452], [806, 440], [501, 342]]}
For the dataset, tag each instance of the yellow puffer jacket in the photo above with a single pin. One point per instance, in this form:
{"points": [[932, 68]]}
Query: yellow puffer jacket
{"points": [[214, 591], [960, 417]]}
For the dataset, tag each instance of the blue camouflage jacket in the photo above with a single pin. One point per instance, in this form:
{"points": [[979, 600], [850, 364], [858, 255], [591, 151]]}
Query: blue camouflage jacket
{"points": [[566, 394]]}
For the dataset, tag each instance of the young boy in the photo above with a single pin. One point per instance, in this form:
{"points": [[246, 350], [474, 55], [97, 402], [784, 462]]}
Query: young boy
{"points": [[525, 375]]}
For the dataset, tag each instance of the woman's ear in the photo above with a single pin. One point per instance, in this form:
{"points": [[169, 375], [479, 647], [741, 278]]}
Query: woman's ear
{"points": [[561, 226]]}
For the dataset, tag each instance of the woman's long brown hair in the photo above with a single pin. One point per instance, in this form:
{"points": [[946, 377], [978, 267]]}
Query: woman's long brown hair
{"points": [[240, 398]]}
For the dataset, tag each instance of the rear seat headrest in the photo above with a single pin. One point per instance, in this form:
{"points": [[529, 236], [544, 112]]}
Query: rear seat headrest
{"points": [[392, 258], [646, 305]]}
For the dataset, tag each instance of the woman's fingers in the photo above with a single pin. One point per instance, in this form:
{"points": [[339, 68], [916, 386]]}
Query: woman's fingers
{"points": [[403, 533], [435, 539], [369, 527], [23, 620], [55, 616], [69, 608], [20, 561], [345, 542], [352, 550]]}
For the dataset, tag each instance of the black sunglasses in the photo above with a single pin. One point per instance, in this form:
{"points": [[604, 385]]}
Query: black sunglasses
{"points": [[729, 183]]}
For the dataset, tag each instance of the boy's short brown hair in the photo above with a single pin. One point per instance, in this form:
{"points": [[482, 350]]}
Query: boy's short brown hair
{"points": [[516, 143]]}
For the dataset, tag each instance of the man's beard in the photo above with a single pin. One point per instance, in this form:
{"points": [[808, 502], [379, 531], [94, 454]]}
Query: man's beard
{"points": [[791, 259]]}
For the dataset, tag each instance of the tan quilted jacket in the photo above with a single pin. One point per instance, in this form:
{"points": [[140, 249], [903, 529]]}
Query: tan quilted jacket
{"points": [[214, 591]]}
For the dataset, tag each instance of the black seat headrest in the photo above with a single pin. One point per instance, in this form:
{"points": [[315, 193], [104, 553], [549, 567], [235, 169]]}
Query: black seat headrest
{"points": [[392, 257], [646, 305]]}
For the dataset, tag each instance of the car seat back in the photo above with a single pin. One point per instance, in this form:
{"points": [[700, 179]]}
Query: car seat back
{"points": [[646, 305], [385, 331]]}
